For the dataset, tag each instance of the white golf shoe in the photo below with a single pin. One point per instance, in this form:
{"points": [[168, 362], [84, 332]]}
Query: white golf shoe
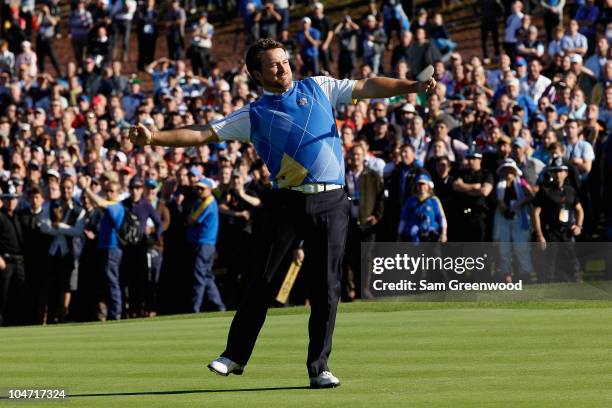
{"points": [[224, 366], [324, 380]]}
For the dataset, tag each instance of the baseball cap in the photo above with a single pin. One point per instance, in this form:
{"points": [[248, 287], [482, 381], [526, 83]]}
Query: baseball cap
{"points": [[473, 153], [557, 165], [516, 117], [520, 62], [408, 107], [539, 117], [150, 183], [136, 182], [520, 142], [576, 58], [121, 157], [509, 164], [52, 173], [306, 20], [194, 171], [10, 191], [424, 179], [382, 121], [205, 182]]}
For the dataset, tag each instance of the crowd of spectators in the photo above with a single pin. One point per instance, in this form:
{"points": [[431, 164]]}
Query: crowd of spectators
{"points": [[513, 148]]}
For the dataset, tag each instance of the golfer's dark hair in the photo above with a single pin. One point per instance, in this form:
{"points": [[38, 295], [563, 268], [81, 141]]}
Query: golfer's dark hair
{"points": [[253, 56]]}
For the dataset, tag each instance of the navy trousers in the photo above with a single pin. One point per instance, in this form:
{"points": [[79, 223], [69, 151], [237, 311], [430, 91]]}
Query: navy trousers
{"points": [[321, 220], [111, 261], [204, 286]]}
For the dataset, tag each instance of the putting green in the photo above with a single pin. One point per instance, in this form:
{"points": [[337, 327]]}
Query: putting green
{"points": [[535, 354]]}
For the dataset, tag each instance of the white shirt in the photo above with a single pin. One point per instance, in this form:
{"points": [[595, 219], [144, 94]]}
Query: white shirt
{"points": [[536, 88]]}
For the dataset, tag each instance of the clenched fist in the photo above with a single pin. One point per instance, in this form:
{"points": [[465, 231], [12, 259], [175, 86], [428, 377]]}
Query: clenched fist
{"points": [[427, 86], [141, 135]]}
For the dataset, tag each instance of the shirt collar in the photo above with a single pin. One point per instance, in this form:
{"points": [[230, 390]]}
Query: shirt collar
{"points": [[278, 94]]}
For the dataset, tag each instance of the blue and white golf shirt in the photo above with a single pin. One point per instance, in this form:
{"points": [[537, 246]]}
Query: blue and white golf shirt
{"points": [[294, 132]]}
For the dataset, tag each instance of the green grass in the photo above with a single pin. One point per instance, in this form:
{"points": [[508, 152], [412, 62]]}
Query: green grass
{"points": [[388, 354]]}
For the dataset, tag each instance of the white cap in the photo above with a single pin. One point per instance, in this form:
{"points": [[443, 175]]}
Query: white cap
{"points": [[576, 58], [306, 20], [318, 5], [121, 157], [408, 108]]}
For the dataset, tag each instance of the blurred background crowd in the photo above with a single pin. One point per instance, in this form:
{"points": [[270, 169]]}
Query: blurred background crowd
{"points": [[512, 146]]}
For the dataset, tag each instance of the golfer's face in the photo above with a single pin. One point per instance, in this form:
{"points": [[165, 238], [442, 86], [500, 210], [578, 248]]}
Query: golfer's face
{"points": [[275, 70]]}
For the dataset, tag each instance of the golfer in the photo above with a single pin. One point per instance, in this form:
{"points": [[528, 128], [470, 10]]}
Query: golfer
{"points": [[293, 129]]}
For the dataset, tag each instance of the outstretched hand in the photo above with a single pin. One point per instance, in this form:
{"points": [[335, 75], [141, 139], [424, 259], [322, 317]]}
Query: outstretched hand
{"points": [[140, 135], [427, 86]]}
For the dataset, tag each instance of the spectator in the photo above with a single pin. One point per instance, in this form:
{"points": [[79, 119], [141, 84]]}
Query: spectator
{"points": [[587, 17], [513, 23], [201, 44], [512, 226], [110, 252], [596, 63], [489, 12], [553, 16], [440, 37], [530, 47], [308, 40], [134, 264], [12, 273], [577, 150], [81, 22], [421, 52], [62, 219], [472, 185], [530, 167], [122, 14], [269, 20], [422, 218], [322, 23], [367, 200], [44, 40], [555, 45], [574, 42], [147, 18], [175, 35], [400, 51], [27, 59], [347, 32], [7, 58], [557, 217], [202, 228], [373, 40], [401, 185]]}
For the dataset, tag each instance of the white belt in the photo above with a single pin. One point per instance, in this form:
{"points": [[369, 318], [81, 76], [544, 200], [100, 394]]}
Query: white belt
{"points": [[315, 188]]}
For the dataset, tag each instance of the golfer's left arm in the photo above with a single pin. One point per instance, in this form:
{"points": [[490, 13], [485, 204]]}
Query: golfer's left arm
{"points": [[382, 87]]}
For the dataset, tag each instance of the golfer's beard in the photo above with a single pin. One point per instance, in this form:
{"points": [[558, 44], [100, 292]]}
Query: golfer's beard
{"points": [[280, 85]]}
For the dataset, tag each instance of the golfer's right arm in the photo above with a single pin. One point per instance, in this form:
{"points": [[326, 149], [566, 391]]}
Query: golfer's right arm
{"points": [[193, 135]]}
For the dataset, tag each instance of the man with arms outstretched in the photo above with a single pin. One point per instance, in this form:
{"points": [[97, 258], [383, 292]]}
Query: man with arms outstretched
{"points": [[293, 129]]}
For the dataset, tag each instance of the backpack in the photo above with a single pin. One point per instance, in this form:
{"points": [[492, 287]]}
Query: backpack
{"points": [[128, 232]]}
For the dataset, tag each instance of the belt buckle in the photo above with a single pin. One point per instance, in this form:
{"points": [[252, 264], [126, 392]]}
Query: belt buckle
{"points": [[310, 189]]}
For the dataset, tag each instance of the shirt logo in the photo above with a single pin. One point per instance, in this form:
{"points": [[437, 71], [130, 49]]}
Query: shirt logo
{"points": [[303, 102]]}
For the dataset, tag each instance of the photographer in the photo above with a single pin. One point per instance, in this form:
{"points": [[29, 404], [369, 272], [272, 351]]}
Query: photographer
{"points": [[347, 32], [511, 220]]}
